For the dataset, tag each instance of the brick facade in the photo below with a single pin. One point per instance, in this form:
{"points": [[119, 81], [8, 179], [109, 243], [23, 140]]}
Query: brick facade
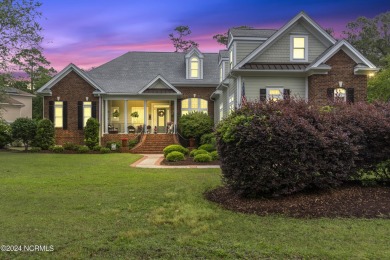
{"points": [[200, 92], [342, 70], [72, 88], [116, 137]]}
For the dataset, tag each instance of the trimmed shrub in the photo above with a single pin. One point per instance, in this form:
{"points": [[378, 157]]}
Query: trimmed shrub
{"points": [[97, 148], [108, 145], [195, 124], [133, 143], [199, 151], [70, 146], [279, 148], [192, 153], [175, 156], [202, 158], [24, 129], [208, 147], [45, 134], [105, 150], [57, 149], [91, 133], [208, 139], [5, 134], [36, 149], [83, 149], [214, 155], [175, 147]]}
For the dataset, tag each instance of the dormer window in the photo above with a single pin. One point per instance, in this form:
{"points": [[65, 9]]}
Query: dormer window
{"points": [[298, 48], [194, 70]]}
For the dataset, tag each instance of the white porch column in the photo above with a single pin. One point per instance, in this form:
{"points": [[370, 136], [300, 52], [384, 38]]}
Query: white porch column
{"points": [[106, 116], [126, 129], [145, 116], [175, 116]]}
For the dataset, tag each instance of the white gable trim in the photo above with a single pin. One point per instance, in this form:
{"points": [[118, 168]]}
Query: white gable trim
{"points": [[336, 48], [282, 30], [159, 77], [192, 51], [62, 74]]}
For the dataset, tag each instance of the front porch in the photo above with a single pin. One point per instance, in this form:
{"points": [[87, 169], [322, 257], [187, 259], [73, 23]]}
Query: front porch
{"points": [[125, 116]]}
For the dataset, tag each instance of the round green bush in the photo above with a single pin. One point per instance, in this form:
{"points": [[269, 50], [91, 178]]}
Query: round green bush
{"points": [[45, 134], [214, 155], [83, 149], [5, 134], [105, 150], [57, 149], [24, 129], [208, 139], [70, 146], [176, 148], [192, 153], [35, 149], [195, 124], [202, 158], [208, 147], [175, 156], [97, 148], [199, 151]]}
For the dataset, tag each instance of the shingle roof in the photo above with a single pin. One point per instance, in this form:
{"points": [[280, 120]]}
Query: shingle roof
{"points": [[224, 53], [260, 33], [274, 66], [132, 71], [15, 91], [10, 101]]}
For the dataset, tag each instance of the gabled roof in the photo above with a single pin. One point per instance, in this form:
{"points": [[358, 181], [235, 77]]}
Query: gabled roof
{"points": [[276, 36], [131, 72], [149, 88], [17, 92], [11, 102], [192, 51], [258, 33], [275, 66], [71, 67], [348, 48]]}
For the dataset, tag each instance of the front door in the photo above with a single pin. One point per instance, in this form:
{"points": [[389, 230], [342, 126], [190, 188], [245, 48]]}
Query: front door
{"points": [[161, 120]]}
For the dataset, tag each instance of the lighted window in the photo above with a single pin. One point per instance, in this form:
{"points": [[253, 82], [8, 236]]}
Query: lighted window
{"points": [[87, 112], [231, 59], [274, 94], [194, 104], [58, 114], [340, 94], [220, 111], [299, 48], [231, 103], [194, 67]]}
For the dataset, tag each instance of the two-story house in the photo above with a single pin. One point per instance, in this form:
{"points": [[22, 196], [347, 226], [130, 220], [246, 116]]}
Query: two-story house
{"points": [[150, 90]]}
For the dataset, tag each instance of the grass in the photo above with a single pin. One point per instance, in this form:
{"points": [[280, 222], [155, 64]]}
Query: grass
{"points": [[97, 206]]}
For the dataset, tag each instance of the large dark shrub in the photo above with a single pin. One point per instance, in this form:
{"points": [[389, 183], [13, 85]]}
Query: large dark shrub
{"points": [[91, 133], [45, 134], [24, 129], [5, 134], [279, 148], [195, 124]]}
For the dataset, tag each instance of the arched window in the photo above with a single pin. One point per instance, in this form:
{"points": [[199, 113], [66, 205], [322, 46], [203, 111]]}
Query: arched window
{"points": [[193, 104], [194, 67]]}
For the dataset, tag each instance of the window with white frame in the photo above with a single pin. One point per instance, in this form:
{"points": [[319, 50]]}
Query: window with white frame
{"points": [[231, 103], [221, 111], [299, 48], [221, 73], [58, 114], [340, 94], [194, 68], [193, 104], [275, 94], [87, 111], [231, 59]]}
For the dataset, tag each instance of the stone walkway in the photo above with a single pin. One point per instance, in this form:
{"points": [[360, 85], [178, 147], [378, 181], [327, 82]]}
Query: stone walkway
{"points": [[154, 160]]}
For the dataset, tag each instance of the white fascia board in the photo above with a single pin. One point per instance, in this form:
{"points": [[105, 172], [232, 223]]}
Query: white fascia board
{"points": [[246, 39], [276, 35]]}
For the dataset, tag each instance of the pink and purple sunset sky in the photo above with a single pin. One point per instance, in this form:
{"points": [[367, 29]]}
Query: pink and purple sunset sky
{"points": [[90, 33]]}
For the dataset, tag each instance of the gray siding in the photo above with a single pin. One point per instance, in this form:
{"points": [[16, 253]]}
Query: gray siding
{"points": [[227, 68], [280, 50], [243, 48], [231, 90], [216, 109], [254, 84]]}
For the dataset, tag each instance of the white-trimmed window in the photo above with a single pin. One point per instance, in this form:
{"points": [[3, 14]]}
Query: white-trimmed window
{"points": [[221, 73], [231, 59], [275, 94], [87, 111], [231, 103], [299, 48], [194, 104], [340, 94], [58, 114], [194, 68], [220, 111]]}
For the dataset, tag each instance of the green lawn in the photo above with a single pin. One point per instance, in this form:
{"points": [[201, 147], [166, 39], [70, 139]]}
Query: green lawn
{"points": [[98, 206]]}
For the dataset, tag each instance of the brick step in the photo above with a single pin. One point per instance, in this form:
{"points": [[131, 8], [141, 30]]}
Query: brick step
{"points": [[154, 144]]}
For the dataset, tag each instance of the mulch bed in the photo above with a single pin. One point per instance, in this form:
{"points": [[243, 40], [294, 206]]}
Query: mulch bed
{"points": [[347, 201], [189, 161]]}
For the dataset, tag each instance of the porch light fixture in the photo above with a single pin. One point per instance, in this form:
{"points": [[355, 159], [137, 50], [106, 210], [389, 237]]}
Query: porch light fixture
{"points": [[370, 75], [86, 98], [194, 95], [340, 84], [58, 98]]}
